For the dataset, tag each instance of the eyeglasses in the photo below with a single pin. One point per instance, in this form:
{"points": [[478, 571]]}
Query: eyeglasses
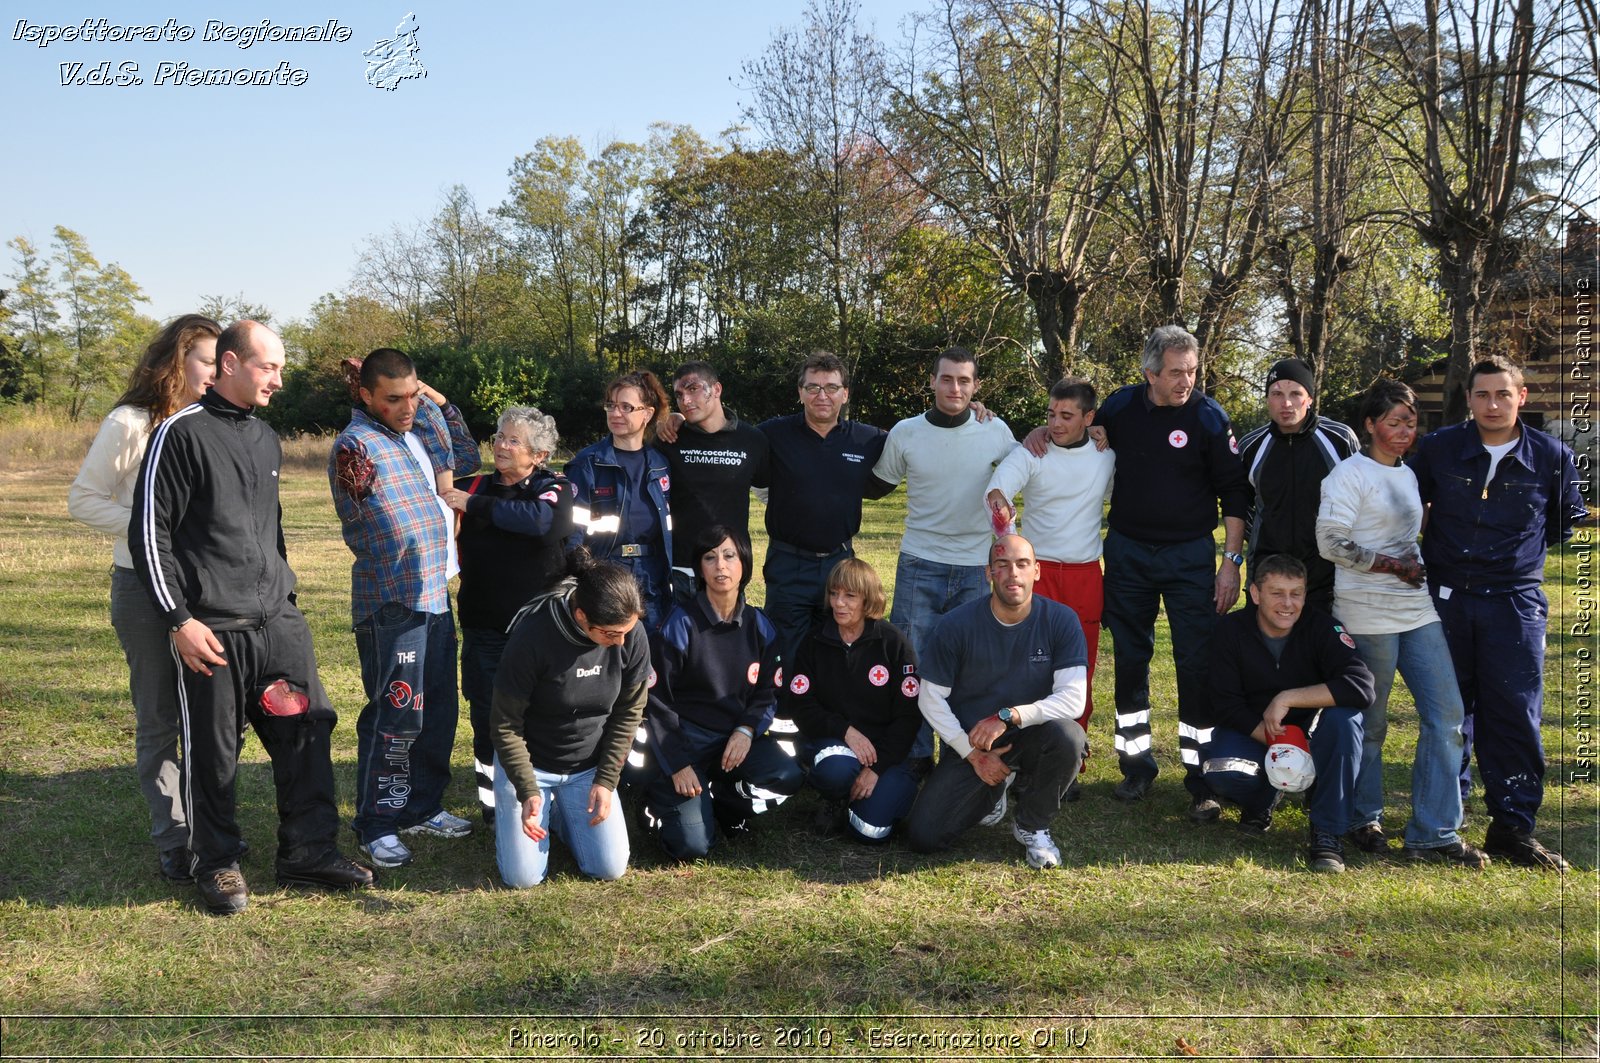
{"points": [[500, 438], [696, 388], [625, 407], [814, 390]]}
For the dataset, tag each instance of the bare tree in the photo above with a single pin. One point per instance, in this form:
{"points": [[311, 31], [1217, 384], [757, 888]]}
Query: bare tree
{"points": [[1473, 76], [818, 94], [1209, 127], [1003, 118], [1313, 250]]}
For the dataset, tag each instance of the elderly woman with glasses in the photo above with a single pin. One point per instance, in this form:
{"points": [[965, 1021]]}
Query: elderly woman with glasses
{"points": [[624, 490], [514, 527]]}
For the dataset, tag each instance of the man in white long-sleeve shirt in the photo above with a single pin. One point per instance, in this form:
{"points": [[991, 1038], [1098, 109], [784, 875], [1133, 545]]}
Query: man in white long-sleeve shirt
{"points": [[1003, 683], [1064, 494]]}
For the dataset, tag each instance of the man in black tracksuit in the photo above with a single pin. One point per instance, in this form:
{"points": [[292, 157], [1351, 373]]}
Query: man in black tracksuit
{"points": [[1286, 460], [1277, 663], [207, 543]]}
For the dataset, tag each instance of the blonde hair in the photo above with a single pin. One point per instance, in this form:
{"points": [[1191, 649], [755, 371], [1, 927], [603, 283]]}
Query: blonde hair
{"points": [[856, 576]]}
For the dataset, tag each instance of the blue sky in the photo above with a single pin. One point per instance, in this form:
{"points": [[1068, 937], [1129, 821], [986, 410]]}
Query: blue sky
{"points": [[270, 191]]}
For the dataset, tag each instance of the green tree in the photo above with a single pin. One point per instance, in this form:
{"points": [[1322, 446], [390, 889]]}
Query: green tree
{"points": [[33, 324], [101, 325]]}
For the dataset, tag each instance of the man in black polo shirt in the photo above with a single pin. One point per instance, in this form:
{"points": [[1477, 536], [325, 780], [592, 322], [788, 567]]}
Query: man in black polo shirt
{"points": [[821, 469], [715, 459], [1176, 460]]}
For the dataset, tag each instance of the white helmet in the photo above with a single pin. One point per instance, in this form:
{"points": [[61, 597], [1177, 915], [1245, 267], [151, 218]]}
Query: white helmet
{"points": [[1288, 761]]}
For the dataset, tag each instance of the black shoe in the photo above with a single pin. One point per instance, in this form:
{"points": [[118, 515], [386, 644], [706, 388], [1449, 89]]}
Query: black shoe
{"points": [[332, 872], [1325, 853], [1255, 824], [1369, 838], [1074, 791], [829, 819], [175, 864], [1204, 810], [488, 815], [1522, 849], [223, 891], [1133, 788], [741, 831], [1457, 854], [919, 767]]}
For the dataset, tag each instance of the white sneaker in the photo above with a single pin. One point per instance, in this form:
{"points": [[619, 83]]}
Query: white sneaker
{"points": [[441, 825], [1042, 851], [387, 851], [998, 813]]}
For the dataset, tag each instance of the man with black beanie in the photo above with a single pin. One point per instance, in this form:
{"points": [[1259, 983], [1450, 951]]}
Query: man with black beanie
{"points": [[1286, 460]]}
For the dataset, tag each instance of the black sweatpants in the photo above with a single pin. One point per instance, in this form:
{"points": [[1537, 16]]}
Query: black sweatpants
{"points": [[213, 713]]}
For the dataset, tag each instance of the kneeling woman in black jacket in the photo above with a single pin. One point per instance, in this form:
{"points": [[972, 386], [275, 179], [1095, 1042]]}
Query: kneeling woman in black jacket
{"points": [[717, 680], [853, 691], [568, 696]]}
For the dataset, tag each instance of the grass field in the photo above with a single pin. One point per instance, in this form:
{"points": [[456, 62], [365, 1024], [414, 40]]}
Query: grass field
{"points": [[1156, 937]]}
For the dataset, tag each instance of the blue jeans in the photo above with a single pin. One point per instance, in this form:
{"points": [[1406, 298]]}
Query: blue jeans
{"points": [[1139, 576], [767, 777], [601, 850], [1423, 658], [833, 771], [1234, 765], [481, 649], [923, 592], [408, 726]]}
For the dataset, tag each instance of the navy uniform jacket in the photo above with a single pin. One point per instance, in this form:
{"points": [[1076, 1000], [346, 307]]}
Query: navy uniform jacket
{"points": [[1492, 539], [1245, 677], [1174, 464], [870, 685]]}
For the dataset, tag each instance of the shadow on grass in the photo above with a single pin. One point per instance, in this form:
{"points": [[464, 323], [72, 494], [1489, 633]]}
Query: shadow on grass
{"points": [[78, 838]]}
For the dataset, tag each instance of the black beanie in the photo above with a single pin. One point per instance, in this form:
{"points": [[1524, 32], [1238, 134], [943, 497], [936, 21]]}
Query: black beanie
{"points": [[1291, 369]]}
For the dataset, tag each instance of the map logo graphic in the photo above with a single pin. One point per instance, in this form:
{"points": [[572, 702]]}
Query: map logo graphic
{"points": [[392, 61]]}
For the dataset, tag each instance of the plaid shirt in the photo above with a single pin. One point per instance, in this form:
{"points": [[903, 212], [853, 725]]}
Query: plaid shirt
{"points": [[400, 536]]}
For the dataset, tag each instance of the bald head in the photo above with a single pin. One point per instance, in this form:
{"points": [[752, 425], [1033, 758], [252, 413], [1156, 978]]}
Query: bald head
{"points": [[1012, 573], [250, 359]]}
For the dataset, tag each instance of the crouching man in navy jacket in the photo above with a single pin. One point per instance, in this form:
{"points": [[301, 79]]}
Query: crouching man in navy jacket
{"points": [[1274, 664]]}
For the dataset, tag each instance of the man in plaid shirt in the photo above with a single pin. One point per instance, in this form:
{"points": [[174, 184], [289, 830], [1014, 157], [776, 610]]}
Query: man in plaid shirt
{"points": [[402, 442]]}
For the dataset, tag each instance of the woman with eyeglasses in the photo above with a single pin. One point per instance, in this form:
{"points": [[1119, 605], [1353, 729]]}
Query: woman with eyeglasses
{"points": [[715, 691], [568, 697], [514, 527], [624, 490]]}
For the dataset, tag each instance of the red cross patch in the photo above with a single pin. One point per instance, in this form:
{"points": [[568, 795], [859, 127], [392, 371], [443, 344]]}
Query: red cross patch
{"points": [[777, 678], [1179, 438], [878, 676], [1233, 444], [651, 682], [666, 483], [551, 497], [754, 672], [799, 685], [910, 686], [1347, 640]]}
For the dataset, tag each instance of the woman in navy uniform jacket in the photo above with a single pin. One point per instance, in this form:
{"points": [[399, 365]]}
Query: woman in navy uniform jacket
{"points": [[853, 691]]}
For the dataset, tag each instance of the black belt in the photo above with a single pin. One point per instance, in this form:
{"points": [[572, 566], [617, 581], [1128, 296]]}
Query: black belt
{"points": [[788, 548], [635, 550]]}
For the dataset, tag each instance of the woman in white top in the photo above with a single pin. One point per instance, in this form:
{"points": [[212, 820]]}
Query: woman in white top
{"points": [[1367, 526], [174, 371]]}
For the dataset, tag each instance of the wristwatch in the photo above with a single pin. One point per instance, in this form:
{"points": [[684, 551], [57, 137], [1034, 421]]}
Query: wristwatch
{"points": [[1237, 559], [1009, 717]]}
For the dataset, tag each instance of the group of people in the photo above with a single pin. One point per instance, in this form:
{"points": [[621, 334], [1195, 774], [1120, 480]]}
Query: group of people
{"points": [[606, 642]]}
